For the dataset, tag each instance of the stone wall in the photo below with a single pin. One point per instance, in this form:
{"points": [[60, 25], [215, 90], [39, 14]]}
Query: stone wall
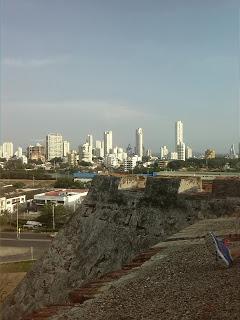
{"points": [[132, 181], [107, 231]]}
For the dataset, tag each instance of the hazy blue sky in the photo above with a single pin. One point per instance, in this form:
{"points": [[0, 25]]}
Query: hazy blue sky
{"points": [[79, 67]]}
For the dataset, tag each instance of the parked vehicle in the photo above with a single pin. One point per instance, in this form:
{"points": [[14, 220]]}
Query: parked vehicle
{"points": [[32, 224]]}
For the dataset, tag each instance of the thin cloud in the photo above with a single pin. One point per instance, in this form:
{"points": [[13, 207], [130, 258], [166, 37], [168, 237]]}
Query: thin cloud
{"points": [[33, 63]]}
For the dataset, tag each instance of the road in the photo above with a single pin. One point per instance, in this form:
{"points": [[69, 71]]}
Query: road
{"points": [[33, 245]]}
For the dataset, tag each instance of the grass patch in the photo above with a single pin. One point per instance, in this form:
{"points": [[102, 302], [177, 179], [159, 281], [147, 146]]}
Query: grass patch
{"points": [[21, 266]]}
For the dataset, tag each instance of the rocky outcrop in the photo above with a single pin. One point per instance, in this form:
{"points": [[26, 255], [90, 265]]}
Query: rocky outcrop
{"points": [[109, 229], [226, 187]]}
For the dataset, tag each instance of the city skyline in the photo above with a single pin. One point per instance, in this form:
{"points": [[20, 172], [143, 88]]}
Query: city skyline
{"points": [[107, 136], [119, 66]]}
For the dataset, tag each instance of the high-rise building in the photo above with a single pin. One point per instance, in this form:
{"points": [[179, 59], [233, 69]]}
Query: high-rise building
{"points": [[139, 142], [7, 150], [111, 161], [99, 149], [107, 142], [19, 152], [90, 140], [232, 152], [188, 153], [99, 144], [163, 153], [178, 133], [72, 158], [181, 151], [85, 152], [54, 146], [130, 163], [173, 156], [36, 152], [66, 148], [149, 153], [1, 151], [210, 154]]}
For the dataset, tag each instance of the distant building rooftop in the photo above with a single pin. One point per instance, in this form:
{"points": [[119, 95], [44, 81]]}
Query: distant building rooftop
{"points": [[84, 175]]}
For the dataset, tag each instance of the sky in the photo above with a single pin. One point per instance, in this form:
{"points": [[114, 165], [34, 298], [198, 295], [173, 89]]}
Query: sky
{"points": [[82, 67]]}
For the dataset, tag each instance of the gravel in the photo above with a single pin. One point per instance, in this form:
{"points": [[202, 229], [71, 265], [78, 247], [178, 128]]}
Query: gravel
{"points": [[186, 284]]}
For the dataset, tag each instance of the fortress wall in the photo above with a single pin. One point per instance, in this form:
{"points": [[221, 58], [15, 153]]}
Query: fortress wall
{"points": [[106, 232], [226, 187]]}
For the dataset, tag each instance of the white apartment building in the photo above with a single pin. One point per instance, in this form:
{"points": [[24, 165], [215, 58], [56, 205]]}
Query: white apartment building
{"points": [[121, 155], [85, 152], [107, 142], [173, 156], [66, 148], [1, 151], [10, 204], [90, 140], [188, 153], [163, 153], [139, 142], [111, 161], [232, 152], [72, 158], [181, 151], [19, 152], [7, 150], [54, 146], [149, 153], [178, 133], [99, 149], [130, 163], [99, 144]]}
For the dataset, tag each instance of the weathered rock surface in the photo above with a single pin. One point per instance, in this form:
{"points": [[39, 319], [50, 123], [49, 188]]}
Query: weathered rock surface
{"points": [[110, 227]]}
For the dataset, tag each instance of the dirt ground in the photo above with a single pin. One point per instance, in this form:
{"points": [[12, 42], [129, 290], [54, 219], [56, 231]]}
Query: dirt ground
{"points": [[8, 281], [28, 183]]}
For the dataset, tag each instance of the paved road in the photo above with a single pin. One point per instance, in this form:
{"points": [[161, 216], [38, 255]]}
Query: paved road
{"points": [[24, 235], [38, 243]]}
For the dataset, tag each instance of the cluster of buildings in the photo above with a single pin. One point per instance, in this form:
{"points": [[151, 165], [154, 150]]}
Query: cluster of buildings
{"points": [[181, 152], [104, 151], [56, 147], [71, 198]]}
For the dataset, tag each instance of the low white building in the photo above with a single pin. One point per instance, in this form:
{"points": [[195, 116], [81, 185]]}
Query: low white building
{"points": [[11, 204], [66, 197]]}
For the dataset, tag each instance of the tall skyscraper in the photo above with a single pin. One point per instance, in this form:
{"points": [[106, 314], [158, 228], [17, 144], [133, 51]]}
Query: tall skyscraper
{"points": [[139, 142], [54, 146], [181, 151], [232, 152], [90, 140], [163, 153], [7, 150], [188, 152], [66, 148], [107, 142], [178, 133]]}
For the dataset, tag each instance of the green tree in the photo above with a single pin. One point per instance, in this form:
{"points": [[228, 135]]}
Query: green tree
{"points": [[61, 215], [176, 164]]}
